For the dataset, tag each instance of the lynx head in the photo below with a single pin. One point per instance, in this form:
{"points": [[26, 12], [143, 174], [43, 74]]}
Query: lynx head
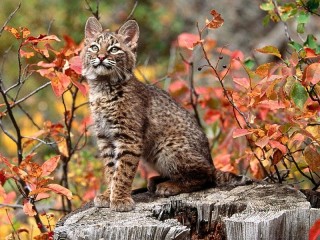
{"points": [[109, 56]]}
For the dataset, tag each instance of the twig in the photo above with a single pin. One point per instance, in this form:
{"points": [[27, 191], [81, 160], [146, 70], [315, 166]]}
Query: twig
{"points": [[229, 98], [286, 29], [132, 10], [29, 95], [94, 13], [14, 230], [9, 18], [193, 93]]}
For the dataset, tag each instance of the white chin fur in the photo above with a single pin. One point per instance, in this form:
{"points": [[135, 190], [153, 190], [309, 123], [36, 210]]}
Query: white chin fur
{"points": [[93, 73]]}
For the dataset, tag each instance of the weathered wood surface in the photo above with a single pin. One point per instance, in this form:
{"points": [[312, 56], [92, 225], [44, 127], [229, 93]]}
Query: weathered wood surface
{"points": [[254, 211]]}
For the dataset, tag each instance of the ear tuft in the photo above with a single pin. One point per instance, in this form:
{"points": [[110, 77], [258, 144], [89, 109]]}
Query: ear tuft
{"points": [[92, 28], [130, 31]]}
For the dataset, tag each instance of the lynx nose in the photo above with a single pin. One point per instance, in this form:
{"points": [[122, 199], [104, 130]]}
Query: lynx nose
{"points": [[101, 57]]}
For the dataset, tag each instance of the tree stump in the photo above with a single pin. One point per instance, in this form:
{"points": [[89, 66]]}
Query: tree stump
{"points": [[257, 211]]}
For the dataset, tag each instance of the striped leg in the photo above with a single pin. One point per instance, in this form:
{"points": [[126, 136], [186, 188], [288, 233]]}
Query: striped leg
{"points": [[107, 154], [123, 176]]}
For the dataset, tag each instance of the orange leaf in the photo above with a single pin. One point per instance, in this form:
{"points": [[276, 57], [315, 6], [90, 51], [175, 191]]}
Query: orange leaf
{"points": [[39, 190], [25, 32], [240, 132], [32, 138], [264, 70], [13, 31], [311, 74], [28, 209], [50, 165], [188, 40], [26, 54], [312, 157], [60, 190], [216, 22], [270, 50]]}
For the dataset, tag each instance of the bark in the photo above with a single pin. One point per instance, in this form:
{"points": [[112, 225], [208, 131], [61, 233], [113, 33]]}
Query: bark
{"points": [[257, 211]]}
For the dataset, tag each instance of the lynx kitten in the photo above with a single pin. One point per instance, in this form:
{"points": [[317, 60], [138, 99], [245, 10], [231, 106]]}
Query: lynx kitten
{"points": [[135, 121]]}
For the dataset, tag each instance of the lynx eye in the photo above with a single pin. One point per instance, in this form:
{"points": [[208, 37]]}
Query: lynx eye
{"points": [[94, 48], [114, 49]]}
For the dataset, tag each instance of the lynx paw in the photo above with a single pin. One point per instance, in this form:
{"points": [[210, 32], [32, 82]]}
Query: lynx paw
{"points": [[102, 201], [122, 205], [168, 189]]}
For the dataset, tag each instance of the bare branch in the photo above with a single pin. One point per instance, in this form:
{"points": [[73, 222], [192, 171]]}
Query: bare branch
{"points": [[9, 18], [132, 10], [29, 95]]}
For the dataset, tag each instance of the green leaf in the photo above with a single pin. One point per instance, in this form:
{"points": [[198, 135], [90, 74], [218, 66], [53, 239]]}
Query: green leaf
{"points": [[300, 28], [249, 63], [311, 42], [270, 50], [299, 95], [266, 20], [267, 6], [296, 46], [303, 17]]}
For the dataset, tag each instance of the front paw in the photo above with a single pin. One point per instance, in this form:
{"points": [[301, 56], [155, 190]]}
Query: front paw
{"points": [[125, 204], [101, 201], [167, 189]]}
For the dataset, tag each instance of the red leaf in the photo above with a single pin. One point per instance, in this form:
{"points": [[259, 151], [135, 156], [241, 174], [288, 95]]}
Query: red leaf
{"points": [[276, 144], [262, 142], [223, 162], [244, 82], [83, 87], [41, 38], [188, 40], [60, 190], [46, 65], [76, 64], [177, 88], [3, 177], [13, 31], [240, 132], [216, 22], [311, 74], [271, 104], [50, 165], [314, 233], [211, 116], [28, 209], [277, 156]]}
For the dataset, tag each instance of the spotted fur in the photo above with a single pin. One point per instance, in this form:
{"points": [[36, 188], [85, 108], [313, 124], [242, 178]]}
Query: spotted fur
{"points": [[135, 121]]}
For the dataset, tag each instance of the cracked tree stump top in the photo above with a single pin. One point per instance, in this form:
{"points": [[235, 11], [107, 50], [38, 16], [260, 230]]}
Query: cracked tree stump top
{"points": [[258, 211]]}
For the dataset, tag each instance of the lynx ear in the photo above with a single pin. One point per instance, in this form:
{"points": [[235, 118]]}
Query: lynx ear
{"points": [[93, 27], [130, 30]]}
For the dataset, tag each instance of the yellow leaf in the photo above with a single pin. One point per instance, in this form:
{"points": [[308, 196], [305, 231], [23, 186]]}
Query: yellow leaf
{"points": [[270, 50]]}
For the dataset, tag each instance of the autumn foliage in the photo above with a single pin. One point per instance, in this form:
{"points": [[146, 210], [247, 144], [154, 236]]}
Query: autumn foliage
{"points": [[262, 119]]}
